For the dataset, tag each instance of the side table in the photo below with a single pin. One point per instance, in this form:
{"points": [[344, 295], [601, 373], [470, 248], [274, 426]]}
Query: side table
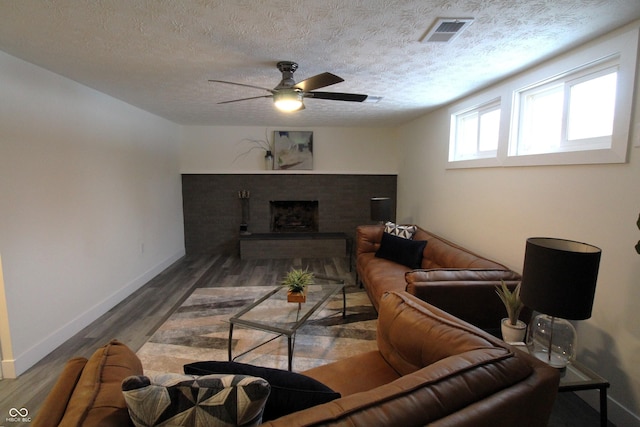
{"points": [[577, 377]]}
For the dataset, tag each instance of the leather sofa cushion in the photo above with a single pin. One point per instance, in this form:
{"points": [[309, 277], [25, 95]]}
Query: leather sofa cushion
{"points": [[381, 275], [443, 253], [412, 334], [362, 372], [54, 406], [97, 398]]}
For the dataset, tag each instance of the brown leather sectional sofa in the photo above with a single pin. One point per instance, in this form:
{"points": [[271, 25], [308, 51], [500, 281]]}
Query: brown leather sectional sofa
{"points": [[430, 368], [450, 277]]}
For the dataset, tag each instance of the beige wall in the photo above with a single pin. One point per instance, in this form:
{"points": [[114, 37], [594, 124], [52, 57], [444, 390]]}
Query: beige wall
{"points": [[220, 149], [90, 206], [494, 210]]}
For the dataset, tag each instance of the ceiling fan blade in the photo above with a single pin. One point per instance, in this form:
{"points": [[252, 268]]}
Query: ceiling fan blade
{"points": [[318, 81], [245, 99], [337, 96], [241, 84]]}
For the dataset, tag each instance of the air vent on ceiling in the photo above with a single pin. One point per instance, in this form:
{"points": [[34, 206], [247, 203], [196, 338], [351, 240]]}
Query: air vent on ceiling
{"points": [[446, 29]]}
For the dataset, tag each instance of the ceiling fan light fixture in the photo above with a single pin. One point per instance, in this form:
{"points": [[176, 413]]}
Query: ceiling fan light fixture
{"points": [[288, 101]]}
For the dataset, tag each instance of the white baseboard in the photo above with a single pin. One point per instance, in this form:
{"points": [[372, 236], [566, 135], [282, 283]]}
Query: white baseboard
{"points": [[11, 368]]}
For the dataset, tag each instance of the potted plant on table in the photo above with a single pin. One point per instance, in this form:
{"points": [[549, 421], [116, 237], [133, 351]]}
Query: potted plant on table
{"points": [[260, 144], [297, 281], [513, 329]]}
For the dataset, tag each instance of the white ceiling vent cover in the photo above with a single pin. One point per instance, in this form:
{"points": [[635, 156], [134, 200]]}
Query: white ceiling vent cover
{"points": [[446, 29]]}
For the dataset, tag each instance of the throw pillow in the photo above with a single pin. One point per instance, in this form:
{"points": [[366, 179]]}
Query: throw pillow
{"points": [[403, 251], [290, 391], [404, 231], [187, 400]]}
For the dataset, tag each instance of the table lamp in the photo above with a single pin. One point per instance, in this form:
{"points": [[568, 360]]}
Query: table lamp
{"points": [[559, 282], [380, 209]]}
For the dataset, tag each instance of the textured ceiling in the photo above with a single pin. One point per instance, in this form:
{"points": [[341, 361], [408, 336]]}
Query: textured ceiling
{"points": [[159, 54]]}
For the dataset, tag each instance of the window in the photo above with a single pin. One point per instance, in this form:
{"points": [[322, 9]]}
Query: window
{"points": [[571, 113], [474, 132], [574, 109]]}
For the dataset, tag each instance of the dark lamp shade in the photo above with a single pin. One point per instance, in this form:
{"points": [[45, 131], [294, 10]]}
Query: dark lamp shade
{"points": [[380, 209], [559, 277]]}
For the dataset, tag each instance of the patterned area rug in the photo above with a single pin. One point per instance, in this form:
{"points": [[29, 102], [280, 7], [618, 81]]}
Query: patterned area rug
{"points": [[199, 330]]}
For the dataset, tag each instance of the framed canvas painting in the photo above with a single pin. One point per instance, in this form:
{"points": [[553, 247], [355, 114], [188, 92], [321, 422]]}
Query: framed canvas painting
{"points": [[293, 150]]}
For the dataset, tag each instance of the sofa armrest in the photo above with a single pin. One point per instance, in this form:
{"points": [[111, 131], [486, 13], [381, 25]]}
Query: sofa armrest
{"points": [[54, 406], [434, 392], [461, 274], [469, 294], [368, 238], [97, 397]]}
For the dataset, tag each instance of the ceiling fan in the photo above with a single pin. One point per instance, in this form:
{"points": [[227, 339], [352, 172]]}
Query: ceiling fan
{"points": [[289, 95]]}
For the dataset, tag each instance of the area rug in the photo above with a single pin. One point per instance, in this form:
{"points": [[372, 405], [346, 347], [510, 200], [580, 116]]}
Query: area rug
{"points": [[199, 330]]}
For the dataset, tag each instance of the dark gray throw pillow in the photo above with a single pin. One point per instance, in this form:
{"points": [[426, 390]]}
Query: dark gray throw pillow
{"points": [[290, 391], [403, 251]]}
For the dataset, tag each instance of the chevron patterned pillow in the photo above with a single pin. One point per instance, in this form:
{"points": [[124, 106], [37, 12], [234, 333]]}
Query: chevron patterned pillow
{"points": [[188, 400], [404, 231]]}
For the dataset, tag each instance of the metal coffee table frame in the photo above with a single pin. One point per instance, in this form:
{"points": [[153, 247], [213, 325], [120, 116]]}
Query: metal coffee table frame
{"points": [[318, 294]]}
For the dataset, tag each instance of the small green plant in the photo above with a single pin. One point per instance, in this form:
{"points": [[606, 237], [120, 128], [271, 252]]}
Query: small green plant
{"points": [[511, 301], [297, 280]]}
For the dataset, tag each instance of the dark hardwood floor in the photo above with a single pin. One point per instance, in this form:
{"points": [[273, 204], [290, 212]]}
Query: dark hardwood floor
{"points": [[134, 320]]}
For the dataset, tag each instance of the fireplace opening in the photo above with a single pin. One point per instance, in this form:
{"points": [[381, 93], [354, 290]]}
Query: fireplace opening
{"points": [[290, 216]]}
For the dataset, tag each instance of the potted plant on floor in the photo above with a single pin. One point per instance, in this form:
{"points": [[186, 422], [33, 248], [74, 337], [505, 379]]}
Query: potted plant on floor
{"points": [[297, 281], [513, 329]]}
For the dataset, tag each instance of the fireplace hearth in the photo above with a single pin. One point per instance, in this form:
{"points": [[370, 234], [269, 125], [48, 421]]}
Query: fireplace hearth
{"points": [[294, 216]]}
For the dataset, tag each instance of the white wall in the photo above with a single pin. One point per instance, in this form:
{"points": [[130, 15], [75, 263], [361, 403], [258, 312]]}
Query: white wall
{"points": [[90, 206], [220, 149], [494, 210]]}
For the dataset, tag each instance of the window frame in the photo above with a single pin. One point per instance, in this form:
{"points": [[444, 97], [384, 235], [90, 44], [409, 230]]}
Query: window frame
{"points": [[457, 116], [562, 83], [619, 48]]}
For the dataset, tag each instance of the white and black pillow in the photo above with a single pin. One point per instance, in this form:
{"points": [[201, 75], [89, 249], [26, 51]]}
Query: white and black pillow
{"points": [[404, 231]]}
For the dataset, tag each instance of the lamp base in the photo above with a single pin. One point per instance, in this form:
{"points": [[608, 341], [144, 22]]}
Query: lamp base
{"points": [[552, 340]]}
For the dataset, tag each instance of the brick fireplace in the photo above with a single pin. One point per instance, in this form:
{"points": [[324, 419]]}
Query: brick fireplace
{"points": [[294, 216], [213, 212]]}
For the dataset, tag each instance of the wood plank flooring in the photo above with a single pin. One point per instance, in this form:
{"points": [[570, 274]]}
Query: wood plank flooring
{"points": [[134, 320]]}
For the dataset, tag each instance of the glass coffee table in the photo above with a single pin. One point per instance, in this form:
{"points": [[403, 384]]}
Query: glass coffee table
{"points": [[272, 312]]}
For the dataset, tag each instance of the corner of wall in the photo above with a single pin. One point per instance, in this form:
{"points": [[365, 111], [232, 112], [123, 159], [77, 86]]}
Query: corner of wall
{"points": [[7, 367]]}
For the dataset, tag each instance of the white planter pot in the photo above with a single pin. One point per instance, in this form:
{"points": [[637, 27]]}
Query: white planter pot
{"points": [[513, 333]]}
